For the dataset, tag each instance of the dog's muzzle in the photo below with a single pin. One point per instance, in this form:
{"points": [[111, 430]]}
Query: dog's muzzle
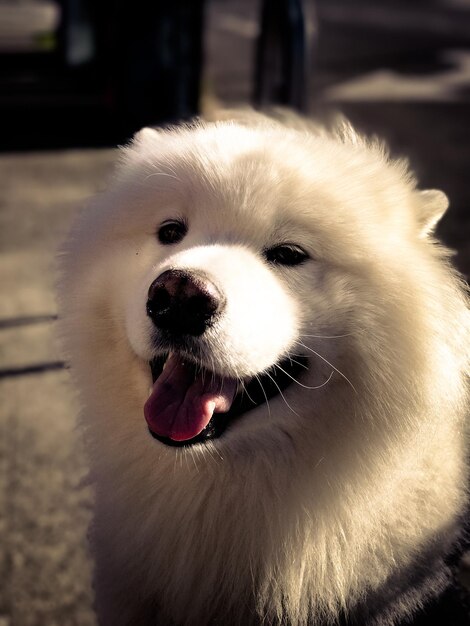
{"points": [[188, 403]]}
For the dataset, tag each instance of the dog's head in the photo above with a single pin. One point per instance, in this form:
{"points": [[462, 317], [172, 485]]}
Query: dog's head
{"points": [[242, 274], [266, 300]]}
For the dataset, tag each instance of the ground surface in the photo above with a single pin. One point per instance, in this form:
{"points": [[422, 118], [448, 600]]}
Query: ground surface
{"points": [[44, 508]]}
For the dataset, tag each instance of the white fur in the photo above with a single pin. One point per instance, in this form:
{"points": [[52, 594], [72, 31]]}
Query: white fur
{"points": [[314, 504]]}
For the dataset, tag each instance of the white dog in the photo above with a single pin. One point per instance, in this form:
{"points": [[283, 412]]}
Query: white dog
{"points": [[271, 353]]}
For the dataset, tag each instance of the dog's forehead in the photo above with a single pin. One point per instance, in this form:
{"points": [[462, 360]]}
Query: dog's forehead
{"points": [[240, 169], [268, 181], [244, 166]]}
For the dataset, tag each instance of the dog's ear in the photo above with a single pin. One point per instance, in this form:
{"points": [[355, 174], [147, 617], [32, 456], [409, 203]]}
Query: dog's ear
{"points": [[432, 204], [138, 151], [145, 134]]}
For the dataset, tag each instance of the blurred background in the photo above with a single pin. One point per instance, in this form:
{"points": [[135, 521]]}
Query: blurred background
{"points": [[77, 78]]}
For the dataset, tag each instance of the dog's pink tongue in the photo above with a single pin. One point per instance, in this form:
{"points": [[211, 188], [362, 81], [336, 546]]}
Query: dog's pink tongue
{"points": [[181, 403]]}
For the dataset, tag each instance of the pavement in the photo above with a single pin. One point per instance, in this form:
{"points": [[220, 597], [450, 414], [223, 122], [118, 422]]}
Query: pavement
{"points": [[45, 569], [44, 507]]}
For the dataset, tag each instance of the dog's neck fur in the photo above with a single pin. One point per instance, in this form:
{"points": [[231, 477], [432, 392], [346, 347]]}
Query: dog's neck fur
{"points": [[215, 545]]}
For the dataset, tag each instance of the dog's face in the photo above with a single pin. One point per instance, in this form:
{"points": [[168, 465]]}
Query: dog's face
{"points": [[241, 273], [219, 316]]}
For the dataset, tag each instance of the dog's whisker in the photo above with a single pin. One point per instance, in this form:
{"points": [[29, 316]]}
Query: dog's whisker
{"points": [[260, 382], [281, 394], [330, 364], [301, 384], [291, 360], [245, 391], [203, 375], [328, 336], [212, 369]]}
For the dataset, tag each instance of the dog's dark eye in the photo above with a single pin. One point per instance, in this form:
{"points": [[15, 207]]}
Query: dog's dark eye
{"points": [[286, 254], [171, 231]]}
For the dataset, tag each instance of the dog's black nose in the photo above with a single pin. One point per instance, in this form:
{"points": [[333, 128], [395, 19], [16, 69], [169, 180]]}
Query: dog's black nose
{"points": [[183, 302]]}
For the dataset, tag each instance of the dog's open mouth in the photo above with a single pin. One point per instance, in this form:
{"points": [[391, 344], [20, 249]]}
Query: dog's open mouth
{"points": [[189, 404]]}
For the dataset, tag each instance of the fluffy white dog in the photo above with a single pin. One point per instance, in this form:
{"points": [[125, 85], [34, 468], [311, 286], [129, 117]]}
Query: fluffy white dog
{"points": [[271, 352]]}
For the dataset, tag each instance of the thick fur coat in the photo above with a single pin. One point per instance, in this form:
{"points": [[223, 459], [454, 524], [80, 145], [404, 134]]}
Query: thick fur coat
{"points": [[334, 499]]}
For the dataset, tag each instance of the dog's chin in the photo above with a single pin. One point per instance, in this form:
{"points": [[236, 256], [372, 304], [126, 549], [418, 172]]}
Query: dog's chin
{"points": [[251, 393]]}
